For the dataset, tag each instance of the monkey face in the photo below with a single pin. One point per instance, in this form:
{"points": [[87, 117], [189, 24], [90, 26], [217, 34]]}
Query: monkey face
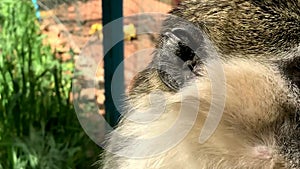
{"points": [[284, 130]]}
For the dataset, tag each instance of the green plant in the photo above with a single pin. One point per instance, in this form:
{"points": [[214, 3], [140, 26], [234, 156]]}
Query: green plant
{"points": [[39, 151], [29, 71], [38, 126]]}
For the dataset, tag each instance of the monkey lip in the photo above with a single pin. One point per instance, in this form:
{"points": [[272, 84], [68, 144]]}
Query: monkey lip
{"points": [[263, 152]]}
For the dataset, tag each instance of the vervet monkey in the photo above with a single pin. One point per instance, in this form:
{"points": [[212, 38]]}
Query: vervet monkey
{"points": [[258, 42]]}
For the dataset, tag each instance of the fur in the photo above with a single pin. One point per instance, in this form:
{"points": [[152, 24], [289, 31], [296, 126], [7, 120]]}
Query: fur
{"points": [[258, 42], [247, 136]]}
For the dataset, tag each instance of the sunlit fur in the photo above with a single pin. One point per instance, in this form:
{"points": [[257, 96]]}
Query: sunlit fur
{"points": [[258, 100], [258, 43]]}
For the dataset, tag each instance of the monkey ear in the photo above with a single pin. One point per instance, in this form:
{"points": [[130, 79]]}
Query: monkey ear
{"points": [[181, 52]]}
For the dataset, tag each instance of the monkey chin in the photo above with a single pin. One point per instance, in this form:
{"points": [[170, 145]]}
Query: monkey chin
{"points": [[257, 100]]}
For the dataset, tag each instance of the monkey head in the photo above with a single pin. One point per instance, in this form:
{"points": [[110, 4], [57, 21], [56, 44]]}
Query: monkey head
{"points": [[257, 44]]}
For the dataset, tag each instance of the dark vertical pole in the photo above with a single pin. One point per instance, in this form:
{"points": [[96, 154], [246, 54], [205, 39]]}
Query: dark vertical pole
{"points": [[112, 10]]}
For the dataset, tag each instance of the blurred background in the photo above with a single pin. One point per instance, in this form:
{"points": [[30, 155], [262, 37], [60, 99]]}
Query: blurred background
{"points": [[39, 43]]}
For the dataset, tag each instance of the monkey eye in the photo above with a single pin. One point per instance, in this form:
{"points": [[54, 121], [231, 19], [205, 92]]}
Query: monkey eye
{"points": [[189, 35], [185, 36], [183, 51]]}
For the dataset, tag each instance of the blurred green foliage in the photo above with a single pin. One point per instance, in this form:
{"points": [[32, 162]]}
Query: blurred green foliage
{"points": [[38, 126]]}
